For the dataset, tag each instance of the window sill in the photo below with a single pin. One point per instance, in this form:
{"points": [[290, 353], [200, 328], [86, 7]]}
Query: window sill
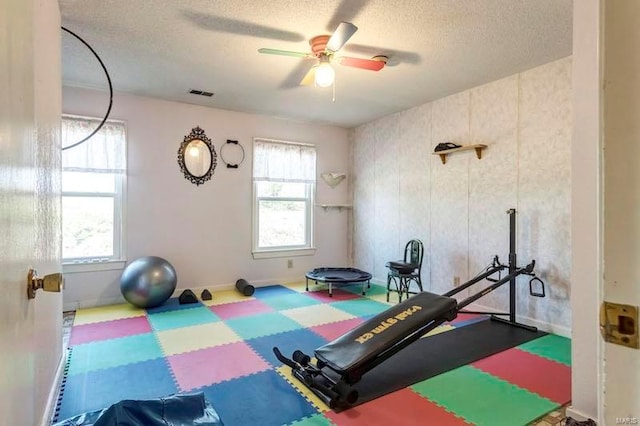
{"points": [[79, 267], [271, 254]]}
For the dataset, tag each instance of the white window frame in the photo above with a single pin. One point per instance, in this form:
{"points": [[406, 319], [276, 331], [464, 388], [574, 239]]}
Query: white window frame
{"points": [[118, 259], [290, 250]]}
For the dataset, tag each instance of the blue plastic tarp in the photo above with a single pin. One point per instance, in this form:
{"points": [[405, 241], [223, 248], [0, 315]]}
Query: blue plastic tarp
{"points": [[175, 410]]}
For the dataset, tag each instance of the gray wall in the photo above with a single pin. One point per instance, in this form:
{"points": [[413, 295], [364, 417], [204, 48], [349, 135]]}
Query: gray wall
{"points": [[402, 191]]}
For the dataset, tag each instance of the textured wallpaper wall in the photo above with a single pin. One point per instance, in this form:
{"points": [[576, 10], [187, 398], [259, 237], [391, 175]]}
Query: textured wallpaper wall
{"points": [[402, 191]]}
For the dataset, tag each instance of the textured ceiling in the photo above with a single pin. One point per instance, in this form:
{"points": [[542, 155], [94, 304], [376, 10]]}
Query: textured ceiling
{"points": [[163, 48]]}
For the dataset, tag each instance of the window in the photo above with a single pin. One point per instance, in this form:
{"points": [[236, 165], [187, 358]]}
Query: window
{"points": [[93, 185], [284, 178]]}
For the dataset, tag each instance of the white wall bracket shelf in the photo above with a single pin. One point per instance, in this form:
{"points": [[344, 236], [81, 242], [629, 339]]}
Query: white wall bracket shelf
{"points": [[338, 207], [477, 147]]}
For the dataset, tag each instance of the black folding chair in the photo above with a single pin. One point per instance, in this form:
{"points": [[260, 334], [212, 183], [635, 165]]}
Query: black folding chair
{"points": [[403, 272]]}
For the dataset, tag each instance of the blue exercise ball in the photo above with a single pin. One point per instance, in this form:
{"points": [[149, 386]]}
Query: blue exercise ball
{"points": [[148, 281]]}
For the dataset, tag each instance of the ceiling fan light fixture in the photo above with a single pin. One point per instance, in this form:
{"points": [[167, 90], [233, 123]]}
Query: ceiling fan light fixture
{"points": [[325, 74]]}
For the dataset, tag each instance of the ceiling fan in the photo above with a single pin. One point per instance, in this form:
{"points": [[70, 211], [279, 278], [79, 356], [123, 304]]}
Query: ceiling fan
{"points": [[323, 50]]}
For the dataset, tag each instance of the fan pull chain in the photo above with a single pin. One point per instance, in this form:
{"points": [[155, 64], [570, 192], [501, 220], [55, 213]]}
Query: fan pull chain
{"points": [[333, 99]]}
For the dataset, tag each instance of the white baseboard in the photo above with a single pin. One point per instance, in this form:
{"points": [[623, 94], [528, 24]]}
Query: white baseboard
{"points": [[577, 415], [541, 325], [74, 305], [92, 303], [52, 399]]}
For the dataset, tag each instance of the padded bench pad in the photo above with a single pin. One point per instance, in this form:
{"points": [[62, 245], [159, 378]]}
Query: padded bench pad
{"points": [[402, 267], [368, 340]]}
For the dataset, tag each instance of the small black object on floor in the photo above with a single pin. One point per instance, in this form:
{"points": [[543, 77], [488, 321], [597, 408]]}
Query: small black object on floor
{"points": [[572, 422], [187, 297], [244, 287], [206, 295]]}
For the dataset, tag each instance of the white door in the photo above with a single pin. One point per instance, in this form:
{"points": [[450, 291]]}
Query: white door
{"points": [[621, 201], [30, 94]]}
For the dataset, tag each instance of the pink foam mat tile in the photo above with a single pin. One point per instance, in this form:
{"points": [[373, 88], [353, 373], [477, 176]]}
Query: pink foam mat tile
{"points": [[214, 365], [93, 332], [462, 317], [536, 374], [240, 309], [322, 294], [334, 330], [403, 407]]}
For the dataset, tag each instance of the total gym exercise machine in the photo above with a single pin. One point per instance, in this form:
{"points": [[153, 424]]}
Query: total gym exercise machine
{"points": [[342, 362]]}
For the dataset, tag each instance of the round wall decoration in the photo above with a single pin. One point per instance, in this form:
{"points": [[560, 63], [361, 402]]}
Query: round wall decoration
{"points": [[197, 157], [232, 154]]}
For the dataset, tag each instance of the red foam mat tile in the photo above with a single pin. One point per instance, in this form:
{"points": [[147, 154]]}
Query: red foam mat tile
{"points": [[87, 333], [403, 407], [544, 377], [214, 365], [238, 309], [338, 294], [463, 317], [334, 330]]}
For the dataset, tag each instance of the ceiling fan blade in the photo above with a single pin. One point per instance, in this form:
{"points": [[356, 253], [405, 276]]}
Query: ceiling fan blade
{"points": [[309, 78], [340, 36], [211, 22], [365, 64], [285, 53]]}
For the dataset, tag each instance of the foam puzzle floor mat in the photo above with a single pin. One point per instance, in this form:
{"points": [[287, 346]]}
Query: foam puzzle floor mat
{"points": [[223, 348]]}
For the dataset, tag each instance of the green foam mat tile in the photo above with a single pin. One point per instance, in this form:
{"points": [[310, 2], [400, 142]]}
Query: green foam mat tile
{"points": [[483, 399], [290, 301], [113, 353], [361, 307], [317, 420], [375, 289], [551, 346], [182, 318]]}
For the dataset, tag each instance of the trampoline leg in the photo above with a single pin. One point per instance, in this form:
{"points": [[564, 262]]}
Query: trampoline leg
{"points": [[330, 290], [363, 293], [307, 281]]}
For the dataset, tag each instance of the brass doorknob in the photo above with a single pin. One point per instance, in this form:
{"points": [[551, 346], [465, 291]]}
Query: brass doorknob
{"points": [[51, 282]]}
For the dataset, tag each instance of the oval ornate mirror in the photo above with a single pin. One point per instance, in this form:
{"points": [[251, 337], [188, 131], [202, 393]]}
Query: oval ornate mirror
{"points": [[197, 157]]}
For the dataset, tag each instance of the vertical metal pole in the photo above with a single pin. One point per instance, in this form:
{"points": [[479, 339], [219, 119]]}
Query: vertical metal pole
{"points": [[512, 264]]}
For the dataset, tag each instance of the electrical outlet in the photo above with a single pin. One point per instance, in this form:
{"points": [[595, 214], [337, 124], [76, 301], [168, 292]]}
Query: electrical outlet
{"points": [[456, 281], [290, 263]]}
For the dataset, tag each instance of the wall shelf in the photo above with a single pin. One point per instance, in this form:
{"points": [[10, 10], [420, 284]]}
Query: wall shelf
{"points": [[477, 147], [338, 207]]}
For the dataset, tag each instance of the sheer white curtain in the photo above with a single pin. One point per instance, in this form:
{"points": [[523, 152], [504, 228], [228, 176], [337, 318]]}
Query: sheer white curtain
{"points": [[104, 152], [277, 161]]}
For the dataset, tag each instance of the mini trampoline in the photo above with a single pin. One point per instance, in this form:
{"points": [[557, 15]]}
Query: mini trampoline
{"points": [[338, 276]]}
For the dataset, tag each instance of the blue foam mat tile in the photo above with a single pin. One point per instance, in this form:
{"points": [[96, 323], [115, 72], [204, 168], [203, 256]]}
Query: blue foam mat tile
{"points": [[305, 340], [262, 325], [264, 399], [172, 305], [272, 291], [168, 320], [470, 321], [99, 389], [290, 301]]}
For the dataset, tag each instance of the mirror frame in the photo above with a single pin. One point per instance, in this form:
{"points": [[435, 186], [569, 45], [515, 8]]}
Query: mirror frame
{"points": [[197, 134]]}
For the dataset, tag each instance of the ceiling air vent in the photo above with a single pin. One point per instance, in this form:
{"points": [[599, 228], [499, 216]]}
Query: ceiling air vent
{"points": [[201, 93]]}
